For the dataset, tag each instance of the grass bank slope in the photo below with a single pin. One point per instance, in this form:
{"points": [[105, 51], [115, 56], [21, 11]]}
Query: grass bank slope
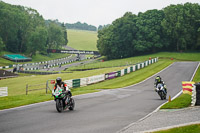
{"points": [[82, 40]]}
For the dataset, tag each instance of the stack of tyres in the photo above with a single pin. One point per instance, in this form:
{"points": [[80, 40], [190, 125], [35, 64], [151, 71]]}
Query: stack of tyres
{"points": [[197, 94]]}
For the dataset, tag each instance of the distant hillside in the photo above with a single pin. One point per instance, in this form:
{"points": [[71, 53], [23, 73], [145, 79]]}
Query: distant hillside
{"points": [[81, 26], [82, 40]]}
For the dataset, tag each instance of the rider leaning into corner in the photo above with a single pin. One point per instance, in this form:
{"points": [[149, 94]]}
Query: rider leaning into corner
{"points": [[62, 85], [159, 80]]}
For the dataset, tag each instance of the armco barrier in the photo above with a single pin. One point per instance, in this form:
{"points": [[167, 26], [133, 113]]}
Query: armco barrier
{"points": [[125, 71], [76, 83], [131, 69], [3, 91], [110, 75], [118, 73], [95, 79], [98, 78], [128, 70], [69, 83], [83, 82], [44, 62], [122, 72], [41, 73]]}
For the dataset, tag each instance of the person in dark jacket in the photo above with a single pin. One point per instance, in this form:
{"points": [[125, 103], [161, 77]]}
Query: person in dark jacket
{"points": [[159, 80], [62, 85]]}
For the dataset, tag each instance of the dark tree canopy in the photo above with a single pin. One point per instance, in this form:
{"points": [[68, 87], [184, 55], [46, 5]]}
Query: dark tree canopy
{"points": [[23, 30], [175, 28]]}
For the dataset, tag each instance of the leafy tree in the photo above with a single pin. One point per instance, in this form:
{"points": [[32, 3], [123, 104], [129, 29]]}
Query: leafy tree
{"points": [[181, 25], [23, 30], [37, 41], [65, 34], [55, 36], [117, 42], [198, 40], [2, 45], [104, 43], [175, 28], [149, 31], [103, 26]]}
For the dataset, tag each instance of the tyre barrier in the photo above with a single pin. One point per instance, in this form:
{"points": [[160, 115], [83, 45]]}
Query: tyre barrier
{"points": [[195, 95], [40, 73]]}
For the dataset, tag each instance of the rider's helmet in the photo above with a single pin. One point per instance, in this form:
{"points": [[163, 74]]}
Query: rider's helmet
{"points": [[158, 78], [58, 80]]}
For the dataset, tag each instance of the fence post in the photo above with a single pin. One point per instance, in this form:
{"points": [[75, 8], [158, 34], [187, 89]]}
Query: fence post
{"points": [[46, 86], [26, 89]]}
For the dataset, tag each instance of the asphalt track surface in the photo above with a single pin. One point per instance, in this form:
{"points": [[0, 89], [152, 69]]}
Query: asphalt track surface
{"points": [[103, 112]]}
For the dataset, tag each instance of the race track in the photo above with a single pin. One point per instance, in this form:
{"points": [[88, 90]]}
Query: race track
{"points": [[103, 112]]}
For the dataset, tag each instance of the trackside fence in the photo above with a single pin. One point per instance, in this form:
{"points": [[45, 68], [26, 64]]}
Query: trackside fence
{"points": [[73, 83], [36, 87], [3, 91]]}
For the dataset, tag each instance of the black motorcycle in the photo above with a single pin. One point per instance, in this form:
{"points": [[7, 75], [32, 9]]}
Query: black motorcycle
{"points": [[63, 100]]}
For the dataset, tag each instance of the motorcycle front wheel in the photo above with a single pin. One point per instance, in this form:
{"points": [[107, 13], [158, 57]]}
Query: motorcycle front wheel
{"points": [[72, 104], [59, 105], [161, 94]]}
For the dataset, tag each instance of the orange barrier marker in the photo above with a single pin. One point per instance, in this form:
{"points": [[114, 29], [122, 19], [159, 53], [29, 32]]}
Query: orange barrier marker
{"points": [[169, 100]]}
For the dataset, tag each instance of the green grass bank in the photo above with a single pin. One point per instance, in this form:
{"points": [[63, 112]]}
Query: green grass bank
{"points": [[82, 40], [185, 129], [16, 86]]}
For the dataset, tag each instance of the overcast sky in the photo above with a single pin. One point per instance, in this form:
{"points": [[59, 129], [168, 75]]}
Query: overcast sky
{"points": [[94, 12]]}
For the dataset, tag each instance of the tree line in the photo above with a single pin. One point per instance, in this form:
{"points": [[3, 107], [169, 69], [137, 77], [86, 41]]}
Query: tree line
{"points": [[81, 26], [174, 28], [24, 30]]}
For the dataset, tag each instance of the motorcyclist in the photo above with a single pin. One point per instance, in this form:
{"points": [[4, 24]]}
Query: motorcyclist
{"points": [[159, 80], [62, 85]]}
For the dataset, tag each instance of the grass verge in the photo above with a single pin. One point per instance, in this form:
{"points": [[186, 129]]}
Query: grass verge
{"points": [[197, 76], [17, 86], [184, 100], [36, 58], [138, 59], [185, 129], [82, 40]]}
